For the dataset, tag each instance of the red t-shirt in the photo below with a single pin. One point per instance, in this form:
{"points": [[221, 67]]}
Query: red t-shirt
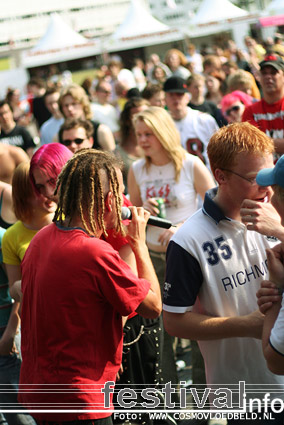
{"points": [[117, 241], [269, 118], [75, 290]]}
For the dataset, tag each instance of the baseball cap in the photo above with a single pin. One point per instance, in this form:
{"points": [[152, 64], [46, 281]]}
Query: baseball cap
{"points": [[175, 85], [270, 176], [272, 60], [134, 92]]}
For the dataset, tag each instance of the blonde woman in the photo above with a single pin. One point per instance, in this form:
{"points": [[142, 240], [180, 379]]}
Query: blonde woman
{"points": [[167, 171]]}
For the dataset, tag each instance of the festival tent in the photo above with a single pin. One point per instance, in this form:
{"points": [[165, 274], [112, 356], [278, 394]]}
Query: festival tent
{"points": [[276, 7], [215, 16], [213, 11], [60, 43], [140, 29], [273, 15]]}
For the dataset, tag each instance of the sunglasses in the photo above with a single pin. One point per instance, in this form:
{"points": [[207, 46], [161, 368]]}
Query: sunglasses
{"points": [[235, 108], [68, 142]]}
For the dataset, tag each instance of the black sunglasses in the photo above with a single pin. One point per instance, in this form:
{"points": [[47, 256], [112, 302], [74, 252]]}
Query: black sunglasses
{"points": [[68, 142], [233, 108]]}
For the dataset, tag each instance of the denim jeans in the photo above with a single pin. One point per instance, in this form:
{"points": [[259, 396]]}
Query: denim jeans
{"points": [[9, 383]]}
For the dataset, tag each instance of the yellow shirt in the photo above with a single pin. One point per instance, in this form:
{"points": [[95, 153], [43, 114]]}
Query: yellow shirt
{"points": [[15, 243]]}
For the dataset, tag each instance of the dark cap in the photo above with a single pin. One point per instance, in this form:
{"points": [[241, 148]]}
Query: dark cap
{"points": [[175, 85], [134, 92], [272, 60]]}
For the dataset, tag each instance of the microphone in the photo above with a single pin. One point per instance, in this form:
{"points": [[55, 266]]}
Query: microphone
{"points": [[154, 221]]}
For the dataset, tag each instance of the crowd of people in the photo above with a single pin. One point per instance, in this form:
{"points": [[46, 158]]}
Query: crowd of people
{"points": [[81, 288]]}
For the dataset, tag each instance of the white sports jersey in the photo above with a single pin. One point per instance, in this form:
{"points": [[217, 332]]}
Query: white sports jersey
{"points": [[195, 132], [214, 267]]}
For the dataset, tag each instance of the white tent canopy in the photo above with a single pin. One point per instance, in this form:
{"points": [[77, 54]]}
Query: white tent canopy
{"points": [[58, 33], [215, 16], [59, 43], [138, 21], [140, 29], [276, 7], [216, 11]]}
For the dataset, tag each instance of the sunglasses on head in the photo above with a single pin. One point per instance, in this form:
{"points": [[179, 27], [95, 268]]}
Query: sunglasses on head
{"points": [[235, 108], [68, 142]]}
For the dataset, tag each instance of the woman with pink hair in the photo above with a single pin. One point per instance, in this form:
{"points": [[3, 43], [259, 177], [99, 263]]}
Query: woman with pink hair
{"points": [[234, 104], [34, 204], [34, 209], [46, 164]]}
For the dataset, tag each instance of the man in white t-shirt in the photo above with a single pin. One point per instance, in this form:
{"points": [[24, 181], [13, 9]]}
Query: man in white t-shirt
{"points": [[50, 128], [195, 127], [123, 75], [103, 111], [215, 267]]}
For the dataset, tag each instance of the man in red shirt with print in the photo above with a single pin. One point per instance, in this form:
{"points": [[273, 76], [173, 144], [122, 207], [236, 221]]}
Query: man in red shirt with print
{"points": [[268, 113]]}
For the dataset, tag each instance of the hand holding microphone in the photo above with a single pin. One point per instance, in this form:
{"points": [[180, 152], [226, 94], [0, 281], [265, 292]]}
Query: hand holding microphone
{"points": [[154, 221], [136, 234]]}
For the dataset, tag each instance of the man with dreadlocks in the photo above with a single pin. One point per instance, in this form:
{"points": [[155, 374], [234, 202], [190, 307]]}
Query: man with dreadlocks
{"points": [[75, 295]]}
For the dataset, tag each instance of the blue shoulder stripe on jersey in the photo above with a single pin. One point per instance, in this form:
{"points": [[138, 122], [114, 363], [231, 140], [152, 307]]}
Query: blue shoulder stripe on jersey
{"points": [[210, 207], [183, 278]]}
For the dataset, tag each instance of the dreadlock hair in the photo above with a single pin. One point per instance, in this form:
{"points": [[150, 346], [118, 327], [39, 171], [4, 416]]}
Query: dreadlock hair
{"points": [[83, 184]]}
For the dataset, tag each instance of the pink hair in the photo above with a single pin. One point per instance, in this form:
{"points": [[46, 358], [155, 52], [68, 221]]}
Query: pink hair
{"points": [[234, 97], [50, 159]]}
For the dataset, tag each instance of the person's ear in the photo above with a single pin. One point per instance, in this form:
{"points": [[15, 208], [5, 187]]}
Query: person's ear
{"points": [[187, 97], [91, 142], [220, 176], [109, 201]]}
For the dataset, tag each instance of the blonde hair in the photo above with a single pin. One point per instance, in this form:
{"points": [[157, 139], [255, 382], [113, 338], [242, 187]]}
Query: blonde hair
{"points": [[239, 80], [163, 127], [195, 78], [79, 95], [244, 81], [182, 57], [236, 138]]}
